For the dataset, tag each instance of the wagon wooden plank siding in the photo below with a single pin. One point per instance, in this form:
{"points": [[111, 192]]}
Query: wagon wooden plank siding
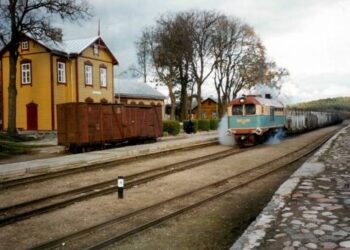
{"points": [[85, 124]]}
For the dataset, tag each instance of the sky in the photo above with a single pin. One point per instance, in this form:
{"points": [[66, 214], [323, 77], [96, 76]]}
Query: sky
{"points": [[310, 38]]}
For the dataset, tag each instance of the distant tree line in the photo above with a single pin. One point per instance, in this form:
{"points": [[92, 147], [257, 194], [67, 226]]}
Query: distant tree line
{"points": [[328, 104], [183, 50]]}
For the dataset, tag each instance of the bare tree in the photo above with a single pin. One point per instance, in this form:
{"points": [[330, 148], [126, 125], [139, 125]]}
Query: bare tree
{"points": [[169, 46], [143, 55], [32, 17], [203, 60], [240, 60], [165, 70]]}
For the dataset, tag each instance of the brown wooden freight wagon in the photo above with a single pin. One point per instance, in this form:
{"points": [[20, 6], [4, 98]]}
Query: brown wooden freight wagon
{"points": [[80, 125]]}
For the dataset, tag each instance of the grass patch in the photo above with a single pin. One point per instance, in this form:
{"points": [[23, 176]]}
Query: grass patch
{"points": [[9, 148]]}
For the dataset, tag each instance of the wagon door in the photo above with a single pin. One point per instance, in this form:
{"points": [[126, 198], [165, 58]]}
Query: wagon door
{"points": [[94, 123], [128, 121], [157, 121], [107, 122], [117, 123]]}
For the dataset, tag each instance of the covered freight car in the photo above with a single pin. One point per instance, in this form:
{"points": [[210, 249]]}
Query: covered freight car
{"points": [[82, 125]]}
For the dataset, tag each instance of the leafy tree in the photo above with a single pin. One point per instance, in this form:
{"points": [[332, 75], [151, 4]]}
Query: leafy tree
{"points": [[32, 17]]}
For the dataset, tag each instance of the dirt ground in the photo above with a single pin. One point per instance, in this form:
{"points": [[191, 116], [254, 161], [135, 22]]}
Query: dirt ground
{"points": [[213, 226], [209, 230]]}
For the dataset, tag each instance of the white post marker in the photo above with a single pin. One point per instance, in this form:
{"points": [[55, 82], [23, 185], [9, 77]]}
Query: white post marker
{"points": [[120, 185]]}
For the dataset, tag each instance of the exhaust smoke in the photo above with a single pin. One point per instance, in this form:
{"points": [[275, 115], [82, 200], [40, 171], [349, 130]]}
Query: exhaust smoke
{"points": [[224, 138], [277, 137]]}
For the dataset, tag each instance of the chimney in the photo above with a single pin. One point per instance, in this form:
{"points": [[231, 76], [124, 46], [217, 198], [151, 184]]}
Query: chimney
{"points": [[268, 96]]}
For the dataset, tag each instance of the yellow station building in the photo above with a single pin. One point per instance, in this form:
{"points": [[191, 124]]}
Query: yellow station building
{"points": [[50, 73]]}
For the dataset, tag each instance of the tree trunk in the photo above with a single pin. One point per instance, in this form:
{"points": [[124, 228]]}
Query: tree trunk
{"points": [[183, 102], [172, 106], [11, 127], [199, 101], [224, 103]]}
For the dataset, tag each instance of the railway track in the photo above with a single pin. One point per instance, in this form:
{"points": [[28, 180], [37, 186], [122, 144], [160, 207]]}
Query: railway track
{"points": [[46, 204], [116, 229], [60, 173]]}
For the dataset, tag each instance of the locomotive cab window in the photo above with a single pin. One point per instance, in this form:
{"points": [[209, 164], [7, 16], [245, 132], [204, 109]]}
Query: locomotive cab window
{"points": [[237, 110], [250, 109]]}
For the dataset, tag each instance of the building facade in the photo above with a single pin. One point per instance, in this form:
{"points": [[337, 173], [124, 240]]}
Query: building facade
{"points": [[209, 109], [50, 73]]}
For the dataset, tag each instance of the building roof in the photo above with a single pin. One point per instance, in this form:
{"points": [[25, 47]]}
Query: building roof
{"points": [[71, 47], [134, 89], [194, 102]]}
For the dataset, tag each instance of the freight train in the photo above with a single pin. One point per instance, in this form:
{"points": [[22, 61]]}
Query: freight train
{"points": [[81, 126], [254, 118]]}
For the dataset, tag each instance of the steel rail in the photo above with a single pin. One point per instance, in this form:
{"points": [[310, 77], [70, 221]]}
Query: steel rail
{"points": [[47, 176], [248, 173], [11, 214]]}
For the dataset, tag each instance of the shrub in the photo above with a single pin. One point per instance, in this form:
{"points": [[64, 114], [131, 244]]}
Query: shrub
{"points": [[186, 125], [171, 127], [203, 125], [214, 124]]}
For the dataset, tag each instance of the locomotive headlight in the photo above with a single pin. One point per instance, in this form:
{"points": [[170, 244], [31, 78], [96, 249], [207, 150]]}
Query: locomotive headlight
{"points": [[258, 131], [241, 100]]}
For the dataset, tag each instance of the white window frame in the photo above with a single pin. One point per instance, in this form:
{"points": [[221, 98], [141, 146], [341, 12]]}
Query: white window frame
{"points": [[103, 77], [24, 45], [26, 73], [88, 74], [95, 49], [61, 72]]}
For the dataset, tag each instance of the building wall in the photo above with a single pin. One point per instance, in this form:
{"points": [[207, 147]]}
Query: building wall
{"points": [[143, 101], [96, 92], [38, 91], [44, 78], [63, 93], [209, 110]]}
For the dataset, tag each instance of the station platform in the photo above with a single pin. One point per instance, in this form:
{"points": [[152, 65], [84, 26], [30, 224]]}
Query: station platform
{"points": [[311, 210], [103, 156]]}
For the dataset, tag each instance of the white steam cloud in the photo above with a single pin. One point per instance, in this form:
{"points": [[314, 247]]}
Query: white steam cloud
{"points": [[224, 138]]}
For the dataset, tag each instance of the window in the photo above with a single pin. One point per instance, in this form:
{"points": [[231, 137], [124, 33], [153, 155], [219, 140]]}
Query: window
{"points": [[103, 76], [237, 110], [26, 74], [95, 49], [250, 109], [61, 72], [25, 45], [88, 74]]}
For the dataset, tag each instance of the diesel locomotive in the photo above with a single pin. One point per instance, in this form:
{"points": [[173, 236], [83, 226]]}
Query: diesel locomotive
{"points": [[254, 118]]}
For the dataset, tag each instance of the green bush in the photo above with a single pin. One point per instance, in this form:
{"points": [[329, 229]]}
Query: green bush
{"points": [[186, 126], [214, 123], [171, 127], [203, 125]]}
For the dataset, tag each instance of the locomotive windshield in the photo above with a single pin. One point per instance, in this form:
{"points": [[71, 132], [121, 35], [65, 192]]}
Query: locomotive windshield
{"points": [[237, 110], [250, 109]]}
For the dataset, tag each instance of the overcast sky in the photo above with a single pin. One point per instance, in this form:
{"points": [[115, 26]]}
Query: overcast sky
{"points": [[311, 38]]}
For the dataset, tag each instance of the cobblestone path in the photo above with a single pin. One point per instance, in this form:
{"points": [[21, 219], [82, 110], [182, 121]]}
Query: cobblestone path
{"points": [[318, 213]]}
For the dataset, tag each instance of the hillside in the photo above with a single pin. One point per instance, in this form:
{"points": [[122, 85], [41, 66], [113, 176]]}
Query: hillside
{"points": [[329, 104]]}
